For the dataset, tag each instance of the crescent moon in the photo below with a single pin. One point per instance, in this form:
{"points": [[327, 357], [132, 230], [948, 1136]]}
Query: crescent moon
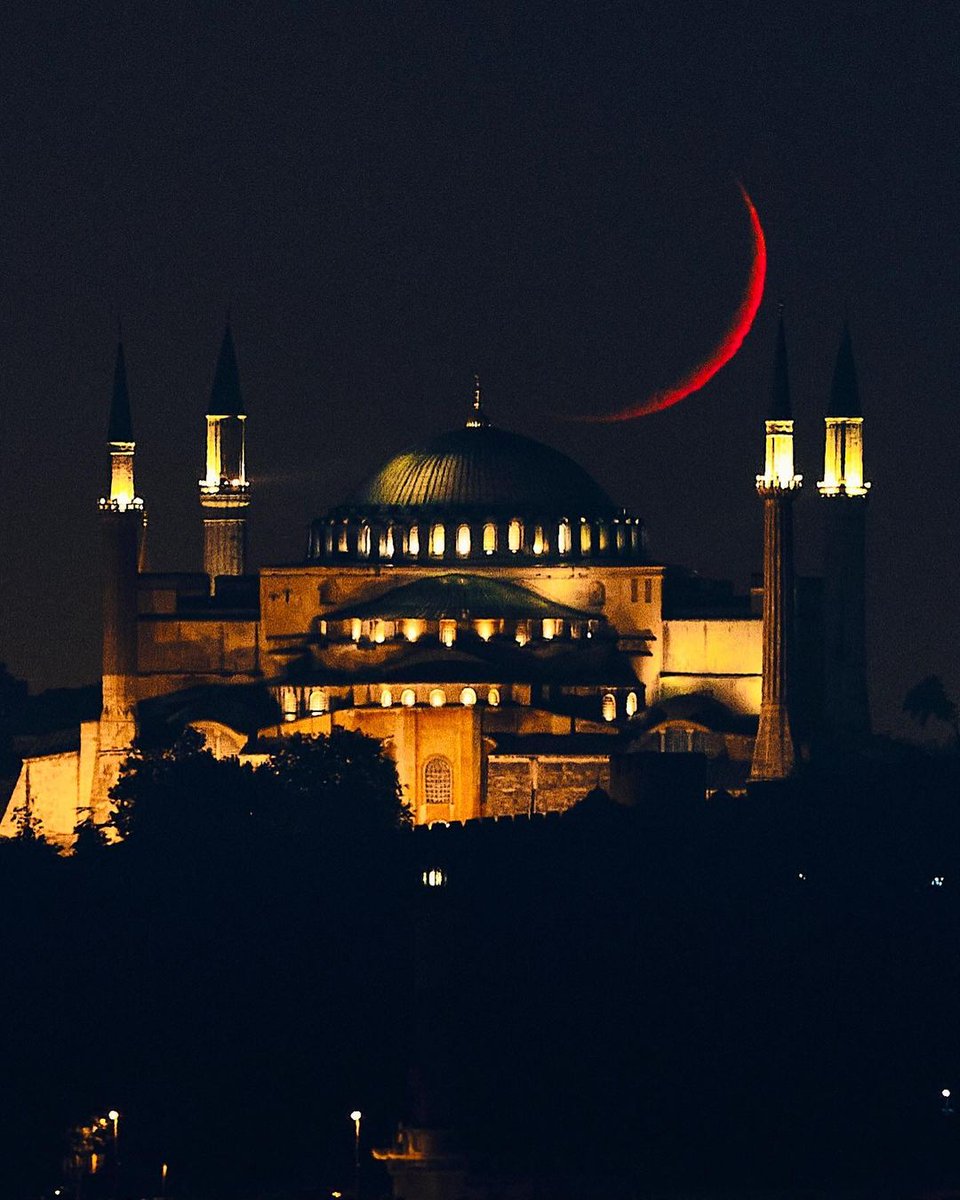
{"points": [[727, 348]]}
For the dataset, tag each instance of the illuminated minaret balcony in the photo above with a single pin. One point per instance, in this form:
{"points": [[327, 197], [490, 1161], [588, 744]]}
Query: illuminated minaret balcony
{"points": [[224, 488], [778, 473], [843, 442], [123, 493]]}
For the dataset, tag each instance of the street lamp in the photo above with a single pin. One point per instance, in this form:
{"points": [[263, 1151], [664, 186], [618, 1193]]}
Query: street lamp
{"points": [[355, 1118], [115, 1118]]}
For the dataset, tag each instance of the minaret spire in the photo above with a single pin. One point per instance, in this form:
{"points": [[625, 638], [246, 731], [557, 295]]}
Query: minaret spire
{"points": [[224, 490], [774, 754], [843, 487], [479, 418]]}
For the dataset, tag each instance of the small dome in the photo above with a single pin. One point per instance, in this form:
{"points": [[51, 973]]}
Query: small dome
{"points": [[484, 467]]}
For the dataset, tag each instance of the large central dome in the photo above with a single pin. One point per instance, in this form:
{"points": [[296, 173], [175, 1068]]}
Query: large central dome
{"points": [[484, 467]]}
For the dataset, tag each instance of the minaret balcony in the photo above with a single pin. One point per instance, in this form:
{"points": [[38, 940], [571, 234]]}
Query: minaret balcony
{"points": [[105, 504]]}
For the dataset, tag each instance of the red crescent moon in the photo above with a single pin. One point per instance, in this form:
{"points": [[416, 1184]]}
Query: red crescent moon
{"points": [[731, 343]]}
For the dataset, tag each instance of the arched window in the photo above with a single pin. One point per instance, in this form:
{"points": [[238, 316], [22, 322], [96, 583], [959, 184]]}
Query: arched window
{"points": [[448, 631], [438, 541], [549, 628], [386, 542], [468, 697], [603, 536], [489, 538], [609, 707], [413, 541], [539, 543], [363, 541], [328, 540], [408, 697], [437, 780], [356, 628], [514, 536], [386, 698], [463, 540], [342, 539], [564, 538], [523, 633], [585, 538], [437, 698], [379, 631], [621, 539], [288, 703], [631, 704], [493, 697], [316, 702]]}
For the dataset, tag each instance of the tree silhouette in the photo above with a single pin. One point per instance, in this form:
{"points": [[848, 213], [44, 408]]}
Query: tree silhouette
{"points": [[927, 699]]}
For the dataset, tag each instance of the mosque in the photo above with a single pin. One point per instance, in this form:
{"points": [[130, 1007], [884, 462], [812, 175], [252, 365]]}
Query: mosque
{"points": [[486, 609]]}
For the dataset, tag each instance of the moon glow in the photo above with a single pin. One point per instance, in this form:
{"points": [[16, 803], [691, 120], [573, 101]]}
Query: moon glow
{"points": [[728, 346]]}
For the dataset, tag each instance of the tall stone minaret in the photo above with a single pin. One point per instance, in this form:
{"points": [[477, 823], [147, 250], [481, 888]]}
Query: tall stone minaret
{"points": [[121, 520], [846, 707], [774, 754], [224, 491]]}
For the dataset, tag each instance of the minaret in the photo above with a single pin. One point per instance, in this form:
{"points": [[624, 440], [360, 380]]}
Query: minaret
{"points": [[224, 491], [845, 704], [121, 518], [774, 754]]}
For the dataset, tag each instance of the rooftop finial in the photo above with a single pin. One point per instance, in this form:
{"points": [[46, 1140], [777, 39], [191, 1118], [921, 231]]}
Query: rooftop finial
{"points": [[478, 420]]}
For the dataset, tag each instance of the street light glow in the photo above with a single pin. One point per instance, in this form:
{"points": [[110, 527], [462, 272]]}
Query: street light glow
{"points": [[945, 1093], [356, 1115]]}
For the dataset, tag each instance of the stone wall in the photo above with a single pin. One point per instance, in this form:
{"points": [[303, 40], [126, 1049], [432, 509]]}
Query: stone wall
{"points": [[516, 786]]}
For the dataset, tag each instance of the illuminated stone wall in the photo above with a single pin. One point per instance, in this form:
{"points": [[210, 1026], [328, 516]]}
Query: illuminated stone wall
{"points": [[517, 785]]}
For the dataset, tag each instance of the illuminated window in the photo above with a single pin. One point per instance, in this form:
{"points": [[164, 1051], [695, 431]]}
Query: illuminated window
{"points": [[493, 697], [328, 540], [412, 629], [438, 541], [539, 545], [342, 540], [468, 697], [489, 538], [523, 633], [288, 702], [463, 540], [386, 698], [609, 707], [485, 629], [549, 628], [437, 698], [448, 631], [437, 780], [564, 538], [585, 538], [413, 541], [386, 543], [379, 631], [356, 628], [603, 536], [621, 535], [316, 702], [363, 541], [514, 536], [408, 697], [631, 703], [435, 877]]}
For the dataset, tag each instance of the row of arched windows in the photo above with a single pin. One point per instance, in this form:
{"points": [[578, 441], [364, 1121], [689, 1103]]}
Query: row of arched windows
{"points": [[315, 701], [439, 539]]}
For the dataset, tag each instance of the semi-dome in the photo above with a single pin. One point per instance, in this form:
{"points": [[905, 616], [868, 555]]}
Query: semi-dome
{"points": [[481, 466]]}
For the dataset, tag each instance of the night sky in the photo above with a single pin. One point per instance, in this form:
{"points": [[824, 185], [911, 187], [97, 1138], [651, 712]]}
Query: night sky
{"points": [[390, 196]]}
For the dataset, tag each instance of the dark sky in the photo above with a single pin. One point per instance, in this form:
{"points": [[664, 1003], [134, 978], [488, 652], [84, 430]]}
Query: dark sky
{"points": [[390, 196]]}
